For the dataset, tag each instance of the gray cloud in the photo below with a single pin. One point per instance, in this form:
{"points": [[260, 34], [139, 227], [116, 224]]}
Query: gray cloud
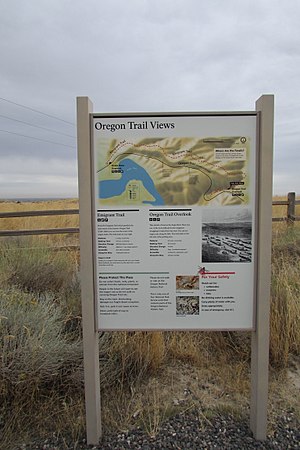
{"points": [[146, 56]]}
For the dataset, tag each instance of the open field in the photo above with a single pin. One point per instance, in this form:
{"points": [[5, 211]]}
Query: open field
{"points": [[146, 377], [73, 220]]}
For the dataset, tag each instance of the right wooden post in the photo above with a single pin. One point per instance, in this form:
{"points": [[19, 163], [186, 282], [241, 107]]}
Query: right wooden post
{"points": [[260, 336], [291, 208]]}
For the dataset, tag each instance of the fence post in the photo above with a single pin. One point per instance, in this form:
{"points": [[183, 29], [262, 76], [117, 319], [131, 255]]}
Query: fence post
{"points": [[291, 208]]}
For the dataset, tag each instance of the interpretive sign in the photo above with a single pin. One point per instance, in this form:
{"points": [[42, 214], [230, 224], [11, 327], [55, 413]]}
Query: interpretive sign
{"points": [[175, 231], [174, 220]]}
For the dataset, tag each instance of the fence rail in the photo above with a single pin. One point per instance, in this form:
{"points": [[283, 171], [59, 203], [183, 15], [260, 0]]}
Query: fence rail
{"points": [[35, 232], [53, 212], [290, 218]]}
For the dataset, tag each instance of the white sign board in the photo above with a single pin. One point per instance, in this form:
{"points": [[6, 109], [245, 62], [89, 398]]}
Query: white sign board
{"points": [[174, 221]]}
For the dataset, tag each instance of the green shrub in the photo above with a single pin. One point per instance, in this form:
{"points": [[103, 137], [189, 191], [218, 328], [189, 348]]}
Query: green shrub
{"points": [[34, 349]]}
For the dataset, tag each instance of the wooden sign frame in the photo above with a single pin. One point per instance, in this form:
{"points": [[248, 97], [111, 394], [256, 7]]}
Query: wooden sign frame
{"points": [[260, 335]]}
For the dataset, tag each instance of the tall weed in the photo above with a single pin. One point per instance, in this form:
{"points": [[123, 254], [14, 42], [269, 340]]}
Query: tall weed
{"points": [[285, 301], [34, 268]]}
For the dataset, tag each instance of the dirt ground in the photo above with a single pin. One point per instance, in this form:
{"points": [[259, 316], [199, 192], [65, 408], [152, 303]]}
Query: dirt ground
{"points": [[220, 389]]}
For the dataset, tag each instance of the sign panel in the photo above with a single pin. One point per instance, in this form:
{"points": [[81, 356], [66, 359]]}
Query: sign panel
{"points": [[174, 220]]}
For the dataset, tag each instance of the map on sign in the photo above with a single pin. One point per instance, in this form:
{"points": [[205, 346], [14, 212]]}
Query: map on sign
{"points": [[173, 171]]}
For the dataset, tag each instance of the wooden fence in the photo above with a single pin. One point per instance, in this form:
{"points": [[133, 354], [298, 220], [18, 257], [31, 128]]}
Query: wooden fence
{"points": [[290, 218], [290, 203], [55, 212]]}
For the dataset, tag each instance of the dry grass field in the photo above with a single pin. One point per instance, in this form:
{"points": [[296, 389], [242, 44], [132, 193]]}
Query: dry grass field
{"points": [[145, 377], [73, 220]]}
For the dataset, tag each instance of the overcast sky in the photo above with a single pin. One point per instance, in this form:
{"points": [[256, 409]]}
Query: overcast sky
{"points": [[138, 55]]}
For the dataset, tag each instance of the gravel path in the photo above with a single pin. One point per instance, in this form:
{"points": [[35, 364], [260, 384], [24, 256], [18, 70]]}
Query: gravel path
{"points": [[188, 431]]}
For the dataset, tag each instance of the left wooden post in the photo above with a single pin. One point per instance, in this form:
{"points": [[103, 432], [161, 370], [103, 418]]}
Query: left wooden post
{"points": [[90, 334]]}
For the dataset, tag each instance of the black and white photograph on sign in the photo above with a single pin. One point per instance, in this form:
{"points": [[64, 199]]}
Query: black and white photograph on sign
{"points": [[187, 282], [227, 235], [187, 305]]}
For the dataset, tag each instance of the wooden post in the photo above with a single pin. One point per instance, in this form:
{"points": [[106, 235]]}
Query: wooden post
{"points": [[90, 335], [291, 208], [260, 337]]}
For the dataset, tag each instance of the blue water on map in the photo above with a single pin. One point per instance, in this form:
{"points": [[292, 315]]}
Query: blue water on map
{"points": [[131, 171]]}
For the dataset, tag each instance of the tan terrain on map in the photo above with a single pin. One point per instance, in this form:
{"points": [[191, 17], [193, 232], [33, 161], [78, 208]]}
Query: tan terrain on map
{"points": [[185, 171]]}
